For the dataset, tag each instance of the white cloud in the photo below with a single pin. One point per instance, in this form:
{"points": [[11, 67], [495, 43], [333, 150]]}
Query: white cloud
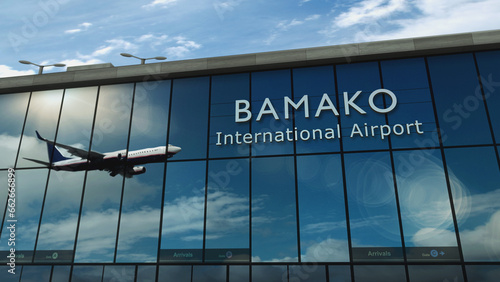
{"points": [[160, 3], [183, 47], [302, 2], [369, 11], [430, 17], [82, 27], [286, 25], [6, 71]]}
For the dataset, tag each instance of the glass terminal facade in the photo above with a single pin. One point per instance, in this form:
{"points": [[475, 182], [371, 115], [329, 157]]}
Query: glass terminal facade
{"points": [[323, 173]]}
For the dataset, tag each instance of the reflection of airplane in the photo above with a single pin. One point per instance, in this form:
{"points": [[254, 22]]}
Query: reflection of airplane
{"points": [[118, 162]]}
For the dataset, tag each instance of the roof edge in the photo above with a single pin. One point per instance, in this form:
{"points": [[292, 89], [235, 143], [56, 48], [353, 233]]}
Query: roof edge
{"points": [[346, 53]]}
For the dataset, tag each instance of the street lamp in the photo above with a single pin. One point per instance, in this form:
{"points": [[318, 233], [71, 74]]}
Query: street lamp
{"points": [[143, 60], [40, 67]]}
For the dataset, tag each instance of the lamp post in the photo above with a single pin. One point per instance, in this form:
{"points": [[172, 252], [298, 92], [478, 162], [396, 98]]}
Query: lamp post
{"points": [[143, 60], [40, 67]]}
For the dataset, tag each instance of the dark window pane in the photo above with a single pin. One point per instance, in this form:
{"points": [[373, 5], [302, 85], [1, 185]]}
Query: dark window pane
{"points": [[435, 273], [12, 276], [60, 273], [311, 272], [485, 273], [13, 108], [103, 191], [125, 273], [340, 273], [386, 273], [174, 273], [189, 117], [269, 273], [228, 211], [461, 113], [146, 273], [474, 178], [239, 273], [408, 80], [315, 82], [36, 273], [348, 79], [425, 206], [64, 191], [272, 85], [209, 273], [226, 89], [323, 230], [375, 231], [274, 224], [85, 273], [43, 114], [183, 212], [490, 77]]}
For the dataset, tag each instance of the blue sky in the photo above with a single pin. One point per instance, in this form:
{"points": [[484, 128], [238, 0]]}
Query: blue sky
{"points": [[77, 32]]}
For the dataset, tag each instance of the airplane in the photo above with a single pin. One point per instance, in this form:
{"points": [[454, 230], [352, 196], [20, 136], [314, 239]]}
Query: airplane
{"points": [[117, 162]]}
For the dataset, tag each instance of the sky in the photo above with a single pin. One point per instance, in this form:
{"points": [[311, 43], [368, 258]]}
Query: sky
{"points": [[78, 32]]}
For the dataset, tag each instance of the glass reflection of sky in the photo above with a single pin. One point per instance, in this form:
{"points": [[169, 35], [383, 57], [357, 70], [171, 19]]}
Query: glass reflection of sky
{"points": [[372, 201], [475, 182], [28, 206], [184, 206], [13, 108], [423, 197], [323, 231], [43, 114], [274, 224]]}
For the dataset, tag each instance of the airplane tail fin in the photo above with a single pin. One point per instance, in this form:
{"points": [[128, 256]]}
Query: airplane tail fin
{"points": [[54, 153]]}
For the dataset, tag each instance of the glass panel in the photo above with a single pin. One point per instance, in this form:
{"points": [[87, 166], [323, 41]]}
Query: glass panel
{"points": [[274, 223], [36, 273], [425, 206], [12, 276], [315, 82], [85, 273], [239, 273], [307, 272], [461, 113], [490, 77], [226, 89], [475, 181], [353, 124], [485, 273], [101, 202], [228, 211], [389, 273], [146, 273], [273, 85], [61, 273], [43, 114], [140, 217], [183, 212], [13, 108], [28, 203], [209, 273], [269, 273], [340, 273], [375, 231], [5, 175], [122, 273], [427, 273], [174, 273], [408, 80], [189, 117], [323, 230], [64, 192]]}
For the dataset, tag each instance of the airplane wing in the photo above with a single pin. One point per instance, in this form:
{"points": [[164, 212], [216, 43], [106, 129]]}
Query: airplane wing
{"points": [[38, 161], [84, 154]]}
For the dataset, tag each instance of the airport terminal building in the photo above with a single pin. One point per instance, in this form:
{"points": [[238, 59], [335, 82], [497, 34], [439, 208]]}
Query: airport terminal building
{"points": [[362, 162]]}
